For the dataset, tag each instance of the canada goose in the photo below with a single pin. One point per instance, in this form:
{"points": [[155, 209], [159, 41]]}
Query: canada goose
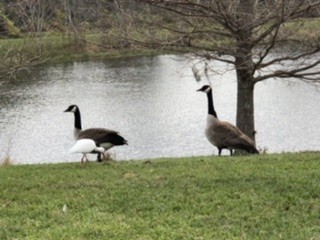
{"points": [[106, 138], [85, 146], [223, 134]]}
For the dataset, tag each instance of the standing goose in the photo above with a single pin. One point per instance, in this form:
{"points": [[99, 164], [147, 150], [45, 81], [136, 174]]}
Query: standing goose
{"points": [[85, 146], [106, 138], [223, 134]]}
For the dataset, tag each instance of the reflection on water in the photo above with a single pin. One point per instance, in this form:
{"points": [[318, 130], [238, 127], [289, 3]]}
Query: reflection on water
{"points": [[152, 102]]}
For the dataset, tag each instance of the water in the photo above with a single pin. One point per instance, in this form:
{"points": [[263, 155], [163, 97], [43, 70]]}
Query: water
{"points": [[153, 103]]}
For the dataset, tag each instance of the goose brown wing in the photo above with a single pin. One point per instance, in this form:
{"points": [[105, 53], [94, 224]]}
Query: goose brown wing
{"points": [[103, 135], [232, 137]]}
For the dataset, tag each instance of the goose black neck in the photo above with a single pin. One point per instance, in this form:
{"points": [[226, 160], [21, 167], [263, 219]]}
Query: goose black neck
{"points": [[77, 119], [211, 110]]}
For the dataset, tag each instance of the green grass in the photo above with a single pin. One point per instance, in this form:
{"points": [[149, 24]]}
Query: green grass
{"points": [[247, 197]]}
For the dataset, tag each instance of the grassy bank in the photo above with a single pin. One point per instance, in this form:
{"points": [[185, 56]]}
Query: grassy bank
{"points": [[253, 197], [55, 47], [18, 56]]}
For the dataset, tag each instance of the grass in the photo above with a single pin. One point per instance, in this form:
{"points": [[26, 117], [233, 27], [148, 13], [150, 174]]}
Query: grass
{"points": [[247, 197]]}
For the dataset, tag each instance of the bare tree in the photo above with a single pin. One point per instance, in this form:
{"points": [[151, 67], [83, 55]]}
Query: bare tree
{"points": [[251, 35], [19, 59]]}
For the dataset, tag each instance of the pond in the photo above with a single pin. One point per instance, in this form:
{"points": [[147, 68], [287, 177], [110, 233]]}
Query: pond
{"points": [[153, 103]]}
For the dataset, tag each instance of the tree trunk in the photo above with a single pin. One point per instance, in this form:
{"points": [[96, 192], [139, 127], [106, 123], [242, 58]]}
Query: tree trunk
{"points": [[245, 93], [245, 103]]}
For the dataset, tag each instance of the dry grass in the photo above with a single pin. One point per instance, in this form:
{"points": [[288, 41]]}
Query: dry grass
{"points": [[6, 161]]}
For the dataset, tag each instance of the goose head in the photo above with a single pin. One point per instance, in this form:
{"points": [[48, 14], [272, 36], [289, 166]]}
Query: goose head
{"points": [[204, 88], [72, 108]]}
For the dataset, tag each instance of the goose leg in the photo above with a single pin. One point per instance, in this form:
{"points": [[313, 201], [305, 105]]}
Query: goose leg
{"points": [[220, 149], [231, 152], [104, 156], [86, 158], [99, 157]]}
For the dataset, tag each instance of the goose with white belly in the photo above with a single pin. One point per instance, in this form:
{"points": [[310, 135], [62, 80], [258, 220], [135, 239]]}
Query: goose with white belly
{"points": [[105, 138], [223, 134]]}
